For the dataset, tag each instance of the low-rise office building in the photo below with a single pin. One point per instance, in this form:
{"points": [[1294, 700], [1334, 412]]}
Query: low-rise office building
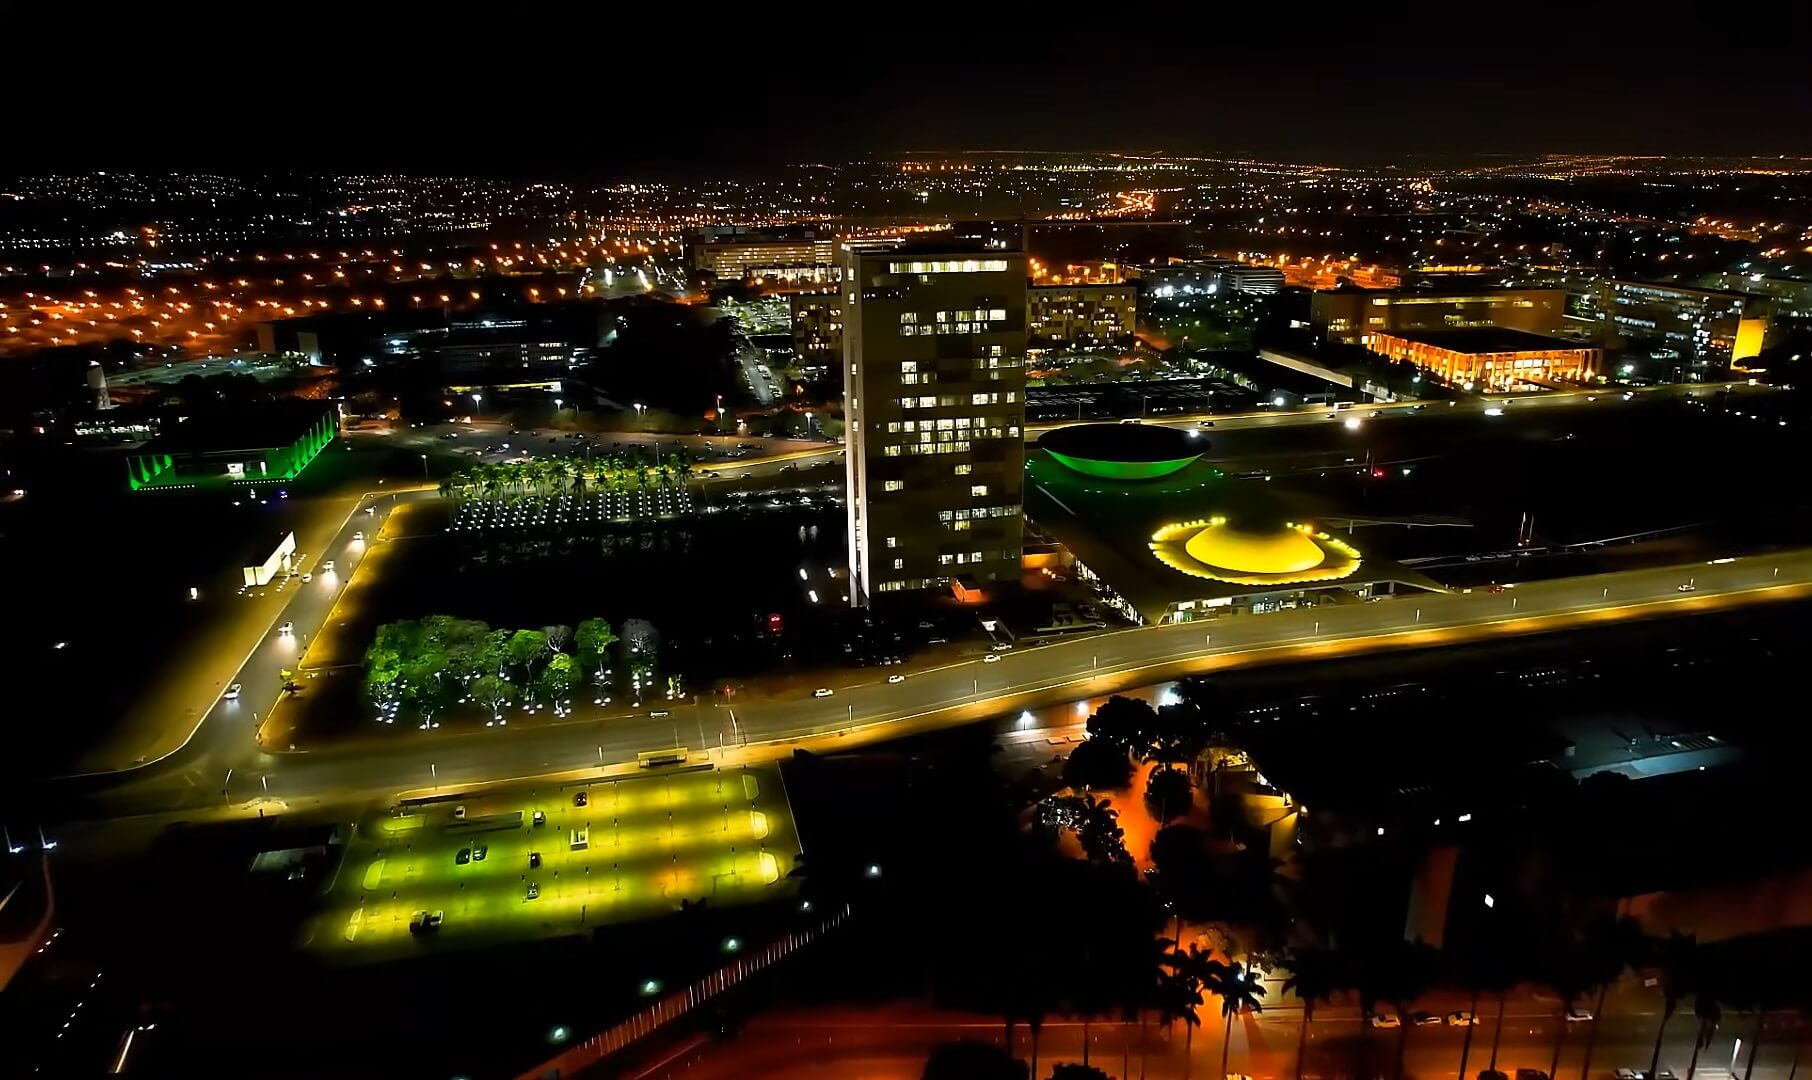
{"points": [[1492, 358], [1353, 316], [1697, 333], [786, 256], [1252, 280], [1082, 316], [817, 328]]}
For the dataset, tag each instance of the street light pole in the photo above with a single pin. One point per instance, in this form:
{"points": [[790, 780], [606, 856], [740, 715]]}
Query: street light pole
{"points": [[425, 475]]}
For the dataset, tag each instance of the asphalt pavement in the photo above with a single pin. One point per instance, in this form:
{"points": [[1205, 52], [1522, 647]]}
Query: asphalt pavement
{"points": [[863, 706], [893, 1042], [221, 764]]}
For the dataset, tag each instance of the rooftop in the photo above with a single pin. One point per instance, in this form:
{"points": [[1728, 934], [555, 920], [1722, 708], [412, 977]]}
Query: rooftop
{"points": [[1486, 339]]}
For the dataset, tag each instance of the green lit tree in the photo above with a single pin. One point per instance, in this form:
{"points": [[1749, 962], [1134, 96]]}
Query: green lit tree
{"points": [[493, 692], [491, 654], [557, 679], [526, 647]]}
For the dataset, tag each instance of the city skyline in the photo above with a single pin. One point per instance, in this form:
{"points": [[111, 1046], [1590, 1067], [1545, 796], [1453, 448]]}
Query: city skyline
{"points": [[1058, 544]]}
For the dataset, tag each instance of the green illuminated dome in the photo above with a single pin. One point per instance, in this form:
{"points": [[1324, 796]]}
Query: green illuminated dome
{"points": [[1123, 451]]}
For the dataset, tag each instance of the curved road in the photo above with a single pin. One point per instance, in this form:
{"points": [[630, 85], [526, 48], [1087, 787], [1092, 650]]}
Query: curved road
{"points": [[871, 708], [221, 764]]}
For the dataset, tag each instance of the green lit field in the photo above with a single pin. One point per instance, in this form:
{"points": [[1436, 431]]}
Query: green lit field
{"points": [[648, 842]]}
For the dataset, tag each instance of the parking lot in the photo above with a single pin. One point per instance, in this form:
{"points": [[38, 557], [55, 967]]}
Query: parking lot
{"points": [[516, 863]]}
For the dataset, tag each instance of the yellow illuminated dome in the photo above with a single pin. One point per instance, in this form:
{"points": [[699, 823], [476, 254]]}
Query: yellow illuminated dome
{"points": [[1284, 552], [1288, 555]]}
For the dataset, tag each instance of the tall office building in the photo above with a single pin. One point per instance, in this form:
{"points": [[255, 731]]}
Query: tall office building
{"points": [[934, 345]]}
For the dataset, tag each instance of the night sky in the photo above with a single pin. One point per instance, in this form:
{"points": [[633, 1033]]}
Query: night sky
{"points": [[524, 89]]}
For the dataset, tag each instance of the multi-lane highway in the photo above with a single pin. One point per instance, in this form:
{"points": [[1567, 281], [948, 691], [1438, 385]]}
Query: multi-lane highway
{"points": [[219, 761], [864, 705]]}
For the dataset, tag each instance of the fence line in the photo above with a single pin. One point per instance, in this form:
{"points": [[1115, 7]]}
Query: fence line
{"points": [[584, 1055]]}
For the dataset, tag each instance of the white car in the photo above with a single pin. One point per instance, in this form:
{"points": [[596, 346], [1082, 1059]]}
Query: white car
{"points": [[232, 692], [1578, 1016], [1462, 1018], [306, 578], [286, 629], [358, 538], [822, 691], [327, 567], [1001, 646], [991, 658], [1385, 1020], [896, 678], [1689, 587]]}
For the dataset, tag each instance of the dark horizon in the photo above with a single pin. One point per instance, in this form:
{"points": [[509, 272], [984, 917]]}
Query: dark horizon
{"points": [[353, 92]]}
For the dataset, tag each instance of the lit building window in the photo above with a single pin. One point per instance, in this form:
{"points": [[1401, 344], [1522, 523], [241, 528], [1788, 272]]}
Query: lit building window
{"points": [[948, 266], [893, 485]]}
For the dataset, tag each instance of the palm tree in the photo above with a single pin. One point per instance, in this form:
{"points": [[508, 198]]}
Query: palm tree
{"points": [[1676, 954], [1705, 1008], [1497, 1028], [1314, 976], [1239, 991], [1035, 1024], [1755, 1039], [1610, 945], [1407, 969], [1138, 985], [1178, 997]]}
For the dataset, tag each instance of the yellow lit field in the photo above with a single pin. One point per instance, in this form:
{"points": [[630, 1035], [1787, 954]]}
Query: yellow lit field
{"points": [[635, 849]]}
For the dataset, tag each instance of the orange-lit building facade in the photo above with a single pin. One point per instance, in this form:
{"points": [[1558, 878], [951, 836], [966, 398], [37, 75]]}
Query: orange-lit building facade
{"points": [[1492, 358], [1354, 316]]}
